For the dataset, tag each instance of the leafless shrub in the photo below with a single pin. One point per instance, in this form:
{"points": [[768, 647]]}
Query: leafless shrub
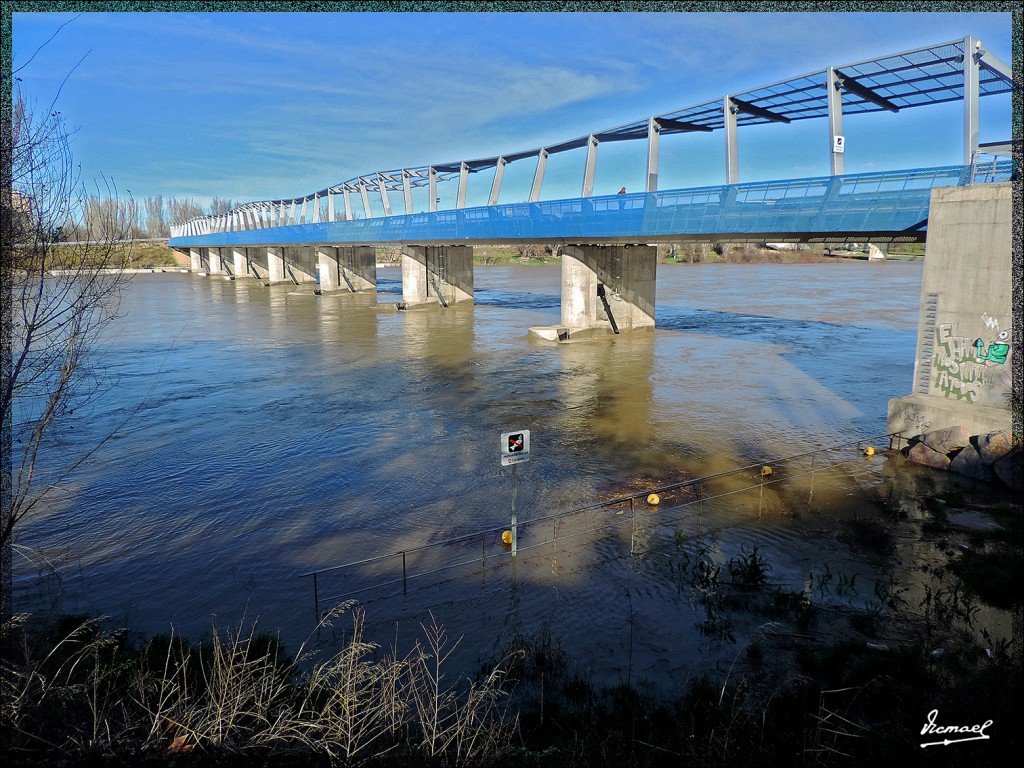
{"points": [[59, 295]]}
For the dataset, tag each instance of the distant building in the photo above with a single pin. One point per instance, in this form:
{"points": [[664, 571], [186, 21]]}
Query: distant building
{"points": [[20, 203]]}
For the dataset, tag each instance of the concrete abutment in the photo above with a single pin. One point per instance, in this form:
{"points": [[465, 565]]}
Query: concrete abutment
{"points": [[962, 372]]}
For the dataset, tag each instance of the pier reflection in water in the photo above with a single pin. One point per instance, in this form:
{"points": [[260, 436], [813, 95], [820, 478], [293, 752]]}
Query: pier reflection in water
{"points": [[278, 432]]}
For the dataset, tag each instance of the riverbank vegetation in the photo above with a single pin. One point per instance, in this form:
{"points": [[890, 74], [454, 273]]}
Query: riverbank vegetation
{"points": [[693, 253], [148, 255]]}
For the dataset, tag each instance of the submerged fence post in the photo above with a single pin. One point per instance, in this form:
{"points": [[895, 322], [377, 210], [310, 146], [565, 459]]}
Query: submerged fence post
{"points": [[811, 495], [632, 528], [405, 590], [515, 526], [316, 600]]}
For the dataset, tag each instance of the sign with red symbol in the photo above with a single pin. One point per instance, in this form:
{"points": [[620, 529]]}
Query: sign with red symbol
{"points": [[515, 447]]}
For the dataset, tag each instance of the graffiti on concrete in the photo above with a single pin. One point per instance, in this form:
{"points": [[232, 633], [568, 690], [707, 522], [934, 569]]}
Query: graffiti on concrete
{"points": [[997, 350], [914, 419], [958, 374], [961, 365]]}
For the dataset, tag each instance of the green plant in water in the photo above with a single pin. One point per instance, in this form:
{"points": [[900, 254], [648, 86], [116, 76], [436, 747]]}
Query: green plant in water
{"points": [[749, 570]]}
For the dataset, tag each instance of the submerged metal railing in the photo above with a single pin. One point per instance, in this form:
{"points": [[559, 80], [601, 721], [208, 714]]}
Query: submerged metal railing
{"points": [[770, 472]]}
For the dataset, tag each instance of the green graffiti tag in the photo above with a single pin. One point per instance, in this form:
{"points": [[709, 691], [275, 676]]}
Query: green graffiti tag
{"points": [[997, 350], [958, 372]]}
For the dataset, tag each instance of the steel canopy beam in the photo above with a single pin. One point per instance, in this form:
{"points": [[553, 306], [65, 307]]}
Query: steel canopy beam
{"points": [[859, 89], [681, 126], [753, 109]]}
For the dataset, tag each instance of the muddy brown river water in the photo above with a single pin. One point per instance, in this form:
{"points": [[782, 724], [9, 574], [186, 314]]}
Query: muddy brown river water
{"points": [[272, 432]]}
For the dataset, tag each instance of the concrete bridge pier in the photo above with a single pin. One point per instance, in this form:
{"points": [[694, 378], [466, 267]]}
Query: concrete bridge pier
{"points": [[257, 264], [300, 264], [347, 268], [275, 265], [878, 251], [195, 256], [608, 287], [239, 263], [216, 267], [441, 273]]}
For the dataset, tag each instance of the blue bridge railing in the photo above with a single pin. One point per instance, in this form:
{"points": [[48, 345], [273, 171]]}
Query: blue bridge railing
{"points": [[851, 207]]}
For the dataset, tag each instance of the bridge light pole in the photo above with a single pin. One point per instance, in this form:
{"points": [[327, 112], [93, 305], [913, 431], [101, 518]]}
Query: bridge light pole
{"points": [[499, 172], [407, 190], [835, 120], [346, 196], [653, 139], [972, 55], [538, 175], [432, 188], [732, 157], [367, 211], [382, 185], [588, 173], [460, 201]]}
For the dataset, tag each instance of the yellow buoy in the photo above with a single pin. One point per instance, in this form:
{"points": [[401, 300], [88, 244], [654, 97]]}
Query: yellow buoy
{"points": [[766, 471], [654, 499], [869, 451], [506, 537]]}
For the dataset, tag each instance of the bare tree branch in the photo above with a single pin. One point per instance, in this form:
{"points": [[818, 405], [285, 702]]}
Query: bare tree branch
{"points": [[59, 295]]}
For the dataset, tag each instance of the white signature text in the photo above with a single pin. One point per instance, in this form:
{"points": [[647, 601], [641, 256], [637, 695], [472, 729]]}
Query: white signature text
{"points": [[960, 732]]}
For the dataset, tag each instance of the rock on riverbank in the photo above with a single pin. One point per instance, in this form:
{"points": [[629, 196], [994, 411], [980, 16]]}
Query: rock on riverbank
{"points": [[989, 458]]}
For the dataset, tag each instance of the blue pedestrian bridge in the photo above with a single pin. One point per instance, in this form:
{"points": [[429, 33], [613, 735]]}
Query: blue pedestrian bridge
{"points": [[885, 206], [889, 206]]}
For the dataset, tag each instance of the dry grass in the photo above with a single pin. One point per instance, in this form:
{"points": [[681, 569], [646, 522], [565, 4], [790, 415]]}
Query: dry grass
{"points": [[90, 695]]}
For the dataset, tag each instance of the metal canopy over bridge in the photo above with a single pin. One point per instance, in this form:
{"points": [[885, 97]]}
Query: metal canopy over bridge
{"points": [[957, 70]]}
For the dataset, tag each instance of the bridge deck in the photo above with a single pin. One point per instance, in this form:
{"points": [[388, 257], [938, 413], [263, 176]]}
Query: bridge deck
{"points": [[884, 206]]}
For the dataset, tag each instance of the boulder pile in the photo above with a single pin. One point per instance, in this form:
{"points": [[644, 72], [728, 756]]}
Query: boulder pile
{"points": [[988, 458]]}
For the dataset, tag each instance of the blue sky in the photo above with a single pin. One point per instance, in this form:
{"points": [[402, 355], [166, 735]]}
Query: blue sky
{"points": [[265, 105]]}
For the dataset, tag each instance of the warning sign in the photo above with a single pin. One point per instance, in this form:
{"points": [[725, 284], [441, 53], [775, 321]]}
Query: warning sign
{"points": [[515, 447]]}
